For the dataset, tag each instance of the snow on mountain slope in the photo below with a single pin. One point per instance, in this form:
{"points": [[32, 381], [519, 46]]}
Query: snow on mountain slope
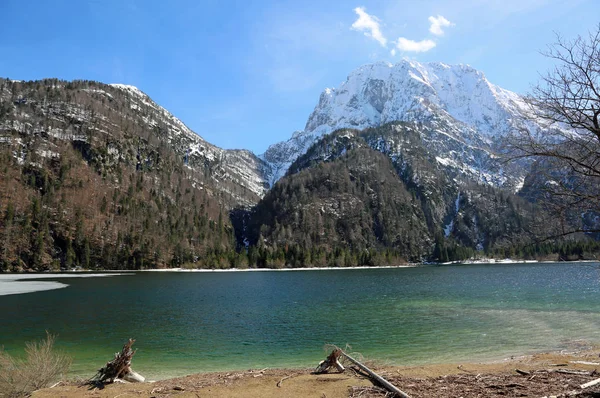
{"points": [[464, 103], [379, 93], [240, 167]]}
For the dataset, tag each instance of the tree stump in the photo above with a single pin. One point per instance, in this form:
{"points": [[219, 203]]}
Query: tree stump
{"points": [[119, 367], [332, 361]]}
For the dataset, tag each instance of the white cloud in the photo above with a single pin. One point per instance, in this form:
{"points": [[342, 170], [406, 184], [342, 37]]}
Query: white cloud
{"points": [[393, 52], [422, 46], [437, 24], [368, 24]]}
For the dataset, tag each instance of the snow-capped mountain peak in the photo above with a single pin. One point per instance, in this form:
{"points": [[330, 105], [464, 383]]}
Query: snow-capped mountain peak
{"points": [[379, 93], [408, 91]]}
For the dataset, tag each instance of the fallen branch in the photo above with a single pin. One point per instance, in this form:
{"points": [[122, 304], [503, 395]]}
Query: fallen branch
{"points": [[389, 386], [590, 383], [573, 372], [586, 363], [333, 361], [522, 372]]}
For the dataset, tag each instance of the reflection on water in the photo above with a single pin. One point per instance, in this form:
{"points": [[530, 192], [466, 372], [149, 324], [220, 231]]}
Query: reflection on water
{"points": [[187, 323]]}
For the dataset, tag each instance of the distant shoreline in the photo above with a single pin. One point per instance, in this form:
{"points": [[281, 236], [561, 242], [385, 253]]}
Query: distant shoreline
{"points": [[363, 267], [17, 283], [410, 265], [278, 269]]}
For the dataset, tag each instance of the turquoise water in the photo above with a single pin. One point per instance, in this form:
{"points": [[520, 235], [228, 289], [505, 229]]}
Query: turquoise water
{"points": [[194, 322]]}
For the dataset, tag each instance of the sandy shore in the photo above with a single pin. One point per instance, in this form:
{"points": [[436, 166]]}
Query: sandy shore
{"points": [[551, 374]]}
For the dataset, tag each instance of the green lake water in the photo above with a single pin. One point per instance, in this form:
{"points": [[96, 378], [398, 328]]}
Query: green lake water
{"points": [[193, 322]]}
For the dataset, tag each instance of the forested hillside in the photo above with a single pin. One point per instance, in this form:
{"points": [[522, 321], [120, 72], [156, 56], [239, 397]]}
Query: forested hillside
{"points": [[100, 177], [93, 178], [345, 200], [350, 211]]}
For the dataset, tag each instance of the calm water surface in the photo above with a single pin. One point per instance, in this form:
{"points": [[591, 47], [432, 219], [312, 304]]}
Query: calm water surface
{"points": [[192, 322]]}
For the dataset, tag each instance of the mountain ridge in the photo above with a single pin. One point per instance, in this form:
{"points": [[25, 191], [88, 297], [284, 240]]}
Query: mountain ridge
{"points": [[252, 175], [106, 171], [465, 103]]}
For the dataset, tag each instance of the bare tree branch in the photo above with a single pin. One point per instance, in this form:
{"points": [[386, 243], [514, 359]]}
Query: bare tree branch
{"points": [[566, 150]]}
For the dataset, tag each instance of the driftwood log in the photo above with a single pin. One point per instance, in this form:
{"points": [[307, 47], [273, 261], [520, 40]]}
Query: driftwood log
{"points": [[590, 384], [119, 367], [383, 382], [333, 361]]}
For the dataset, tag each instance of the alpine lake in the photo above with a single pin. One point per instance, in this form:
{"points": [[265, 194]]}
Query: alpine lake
{"points": [[191, 322]]}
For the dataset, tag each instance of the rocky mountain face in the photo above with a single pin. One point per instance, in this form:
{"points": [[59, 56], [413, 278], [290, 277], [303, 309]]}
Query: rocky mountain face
{"points": [[455, 108], [100, 175], [238, 172], [76, 111]]}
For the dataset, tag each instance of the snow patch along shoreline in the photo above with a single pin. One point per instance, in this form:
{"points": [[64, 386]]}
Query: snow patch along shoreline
{"points": [[19, 283], [277, 269]]}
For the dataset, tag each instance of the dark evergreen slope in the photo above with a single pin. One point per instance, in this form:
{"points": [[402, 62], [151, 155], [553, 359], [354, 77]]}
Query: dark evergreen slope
{"points": [[380, 190], [351, 210], [458, 204], [411, 154]]}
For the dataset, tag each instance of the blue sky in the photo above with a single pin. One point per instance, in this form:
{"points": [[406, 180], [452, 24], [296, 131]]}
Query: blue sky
{"points": [[246, 74]]}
